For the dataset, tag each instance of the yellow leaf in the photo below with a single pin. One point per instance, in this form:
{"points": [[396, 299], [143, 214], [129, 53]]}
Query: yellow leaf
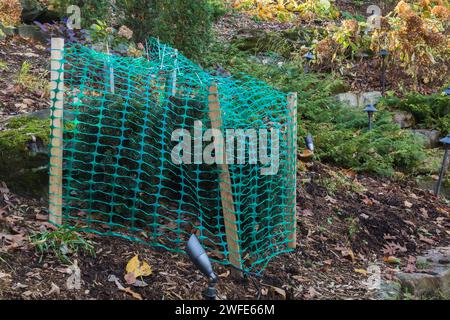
{"points": [[139, 269], [362, 271]]}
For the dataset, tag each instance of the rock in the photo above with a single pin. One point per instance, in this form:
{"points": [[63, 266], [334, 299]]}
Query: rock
{"points": [[349, 99], [389, 290], [31, 32], [249, 39], [34, 10], [434, 280], [21, 162], [404, 119], [31, 9], [372, 97], [431, 137]]}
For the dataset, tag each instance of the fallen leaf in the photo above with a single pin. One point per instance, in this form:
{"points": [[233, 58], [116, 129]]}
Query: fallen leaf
{"points": [[411, 266], [132, 293], [42, 217], [362, 271], [280, 291], [139, 269], [130, 278], [425, 239], [312, 293], [299, 278], [54, 290], [328, 262], [408, 204], [392, 260], [424, 212]]}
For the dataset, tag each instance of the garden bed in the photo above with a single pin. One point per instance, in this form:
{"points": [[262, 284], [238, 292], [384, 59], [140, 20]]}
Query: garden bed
{"points": [[342, 228]]}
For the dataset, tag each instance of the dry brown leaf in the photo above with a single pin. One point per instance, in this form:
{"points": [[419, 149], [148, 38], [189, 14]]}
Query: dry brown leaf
{"points": [[426, 240], [280, 291], [408, 204], [132, 293], [392, 260]]}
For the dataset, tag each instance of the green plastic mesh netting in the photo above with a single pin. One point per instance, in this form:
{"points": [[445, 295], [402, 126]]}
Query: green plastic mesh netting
{"points": [[118, 175]]}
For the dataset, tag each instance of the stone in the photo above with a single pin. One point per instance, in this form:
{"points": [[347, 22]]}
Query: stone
{"points": [[31, 32], [404, 119], [31, 10], [389, 290], [431, 137], [249, 39], [372, 97], [349, 99], [434, 278]]}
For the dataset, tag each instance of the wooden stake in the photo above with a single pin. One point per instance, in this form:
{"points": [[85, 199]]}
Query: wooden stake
{"points": [[292, 152], [56, 151], [111, 71], [226, 194]]}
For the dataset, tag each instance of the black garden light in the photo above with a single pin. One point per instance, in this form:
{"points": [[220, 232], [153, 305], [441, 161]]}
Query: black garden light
{"points": [[309, 141], [446, 142], [446, 91], [309, 57], [199, 257], [383, 54], [370, 109]]}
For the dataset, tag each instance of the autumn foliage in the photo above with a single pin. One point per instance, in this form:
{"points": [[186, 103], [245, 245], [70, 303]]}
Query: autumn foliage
{"points": [[10, 11]]}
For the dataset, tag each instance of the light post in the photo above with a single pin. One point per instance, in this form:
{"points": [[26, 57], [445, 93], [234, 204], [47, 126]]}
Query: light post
{"points": [[309, 57], [309, 141], [199, 257], [383, 54], [446, 142], [446, 91], [370, 109]]}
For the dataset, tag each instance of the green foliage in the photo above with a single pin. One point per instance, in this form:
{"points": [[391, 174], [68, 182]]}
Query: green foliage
{"points": [[340, 132], [91, 10], [431, 111], [184, 24], [34, 83], [62, 243], [15, 140]]}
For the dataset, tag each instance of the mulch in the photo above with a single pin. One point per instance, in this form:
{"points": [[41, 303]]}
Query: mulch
{"points": [[391, 222]]}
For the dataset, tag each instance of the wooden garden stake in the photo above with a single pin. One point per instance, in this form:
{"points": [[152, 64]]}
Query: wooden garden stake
{"points": [[56, 151], [111, 71], [292, 152], [226, 194]]}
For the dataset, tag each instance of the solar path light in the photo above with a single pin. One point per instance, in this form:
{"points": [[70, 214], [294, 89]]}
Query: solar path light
{"points": [[370, 109], [199, 257], [309, 58], [446, 142], [309, 141]]}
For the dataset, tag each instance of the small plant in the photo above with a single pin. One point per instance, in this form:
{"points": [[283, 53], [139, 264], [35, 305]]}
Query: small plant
{"points": [[340, 182], [34, 83], [422, 265], [62, 242], [353, 227], [3, 66]]}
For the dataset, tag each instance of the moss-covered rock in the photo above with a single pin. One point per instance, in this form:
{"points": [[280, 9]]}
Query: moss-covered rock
{"points": [[24, 156]]}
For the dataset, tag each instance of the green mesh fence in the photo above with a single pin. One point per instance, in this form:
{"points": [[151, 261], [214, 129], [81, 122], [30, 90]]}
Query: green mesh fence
{"points": [[118, 175]]}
